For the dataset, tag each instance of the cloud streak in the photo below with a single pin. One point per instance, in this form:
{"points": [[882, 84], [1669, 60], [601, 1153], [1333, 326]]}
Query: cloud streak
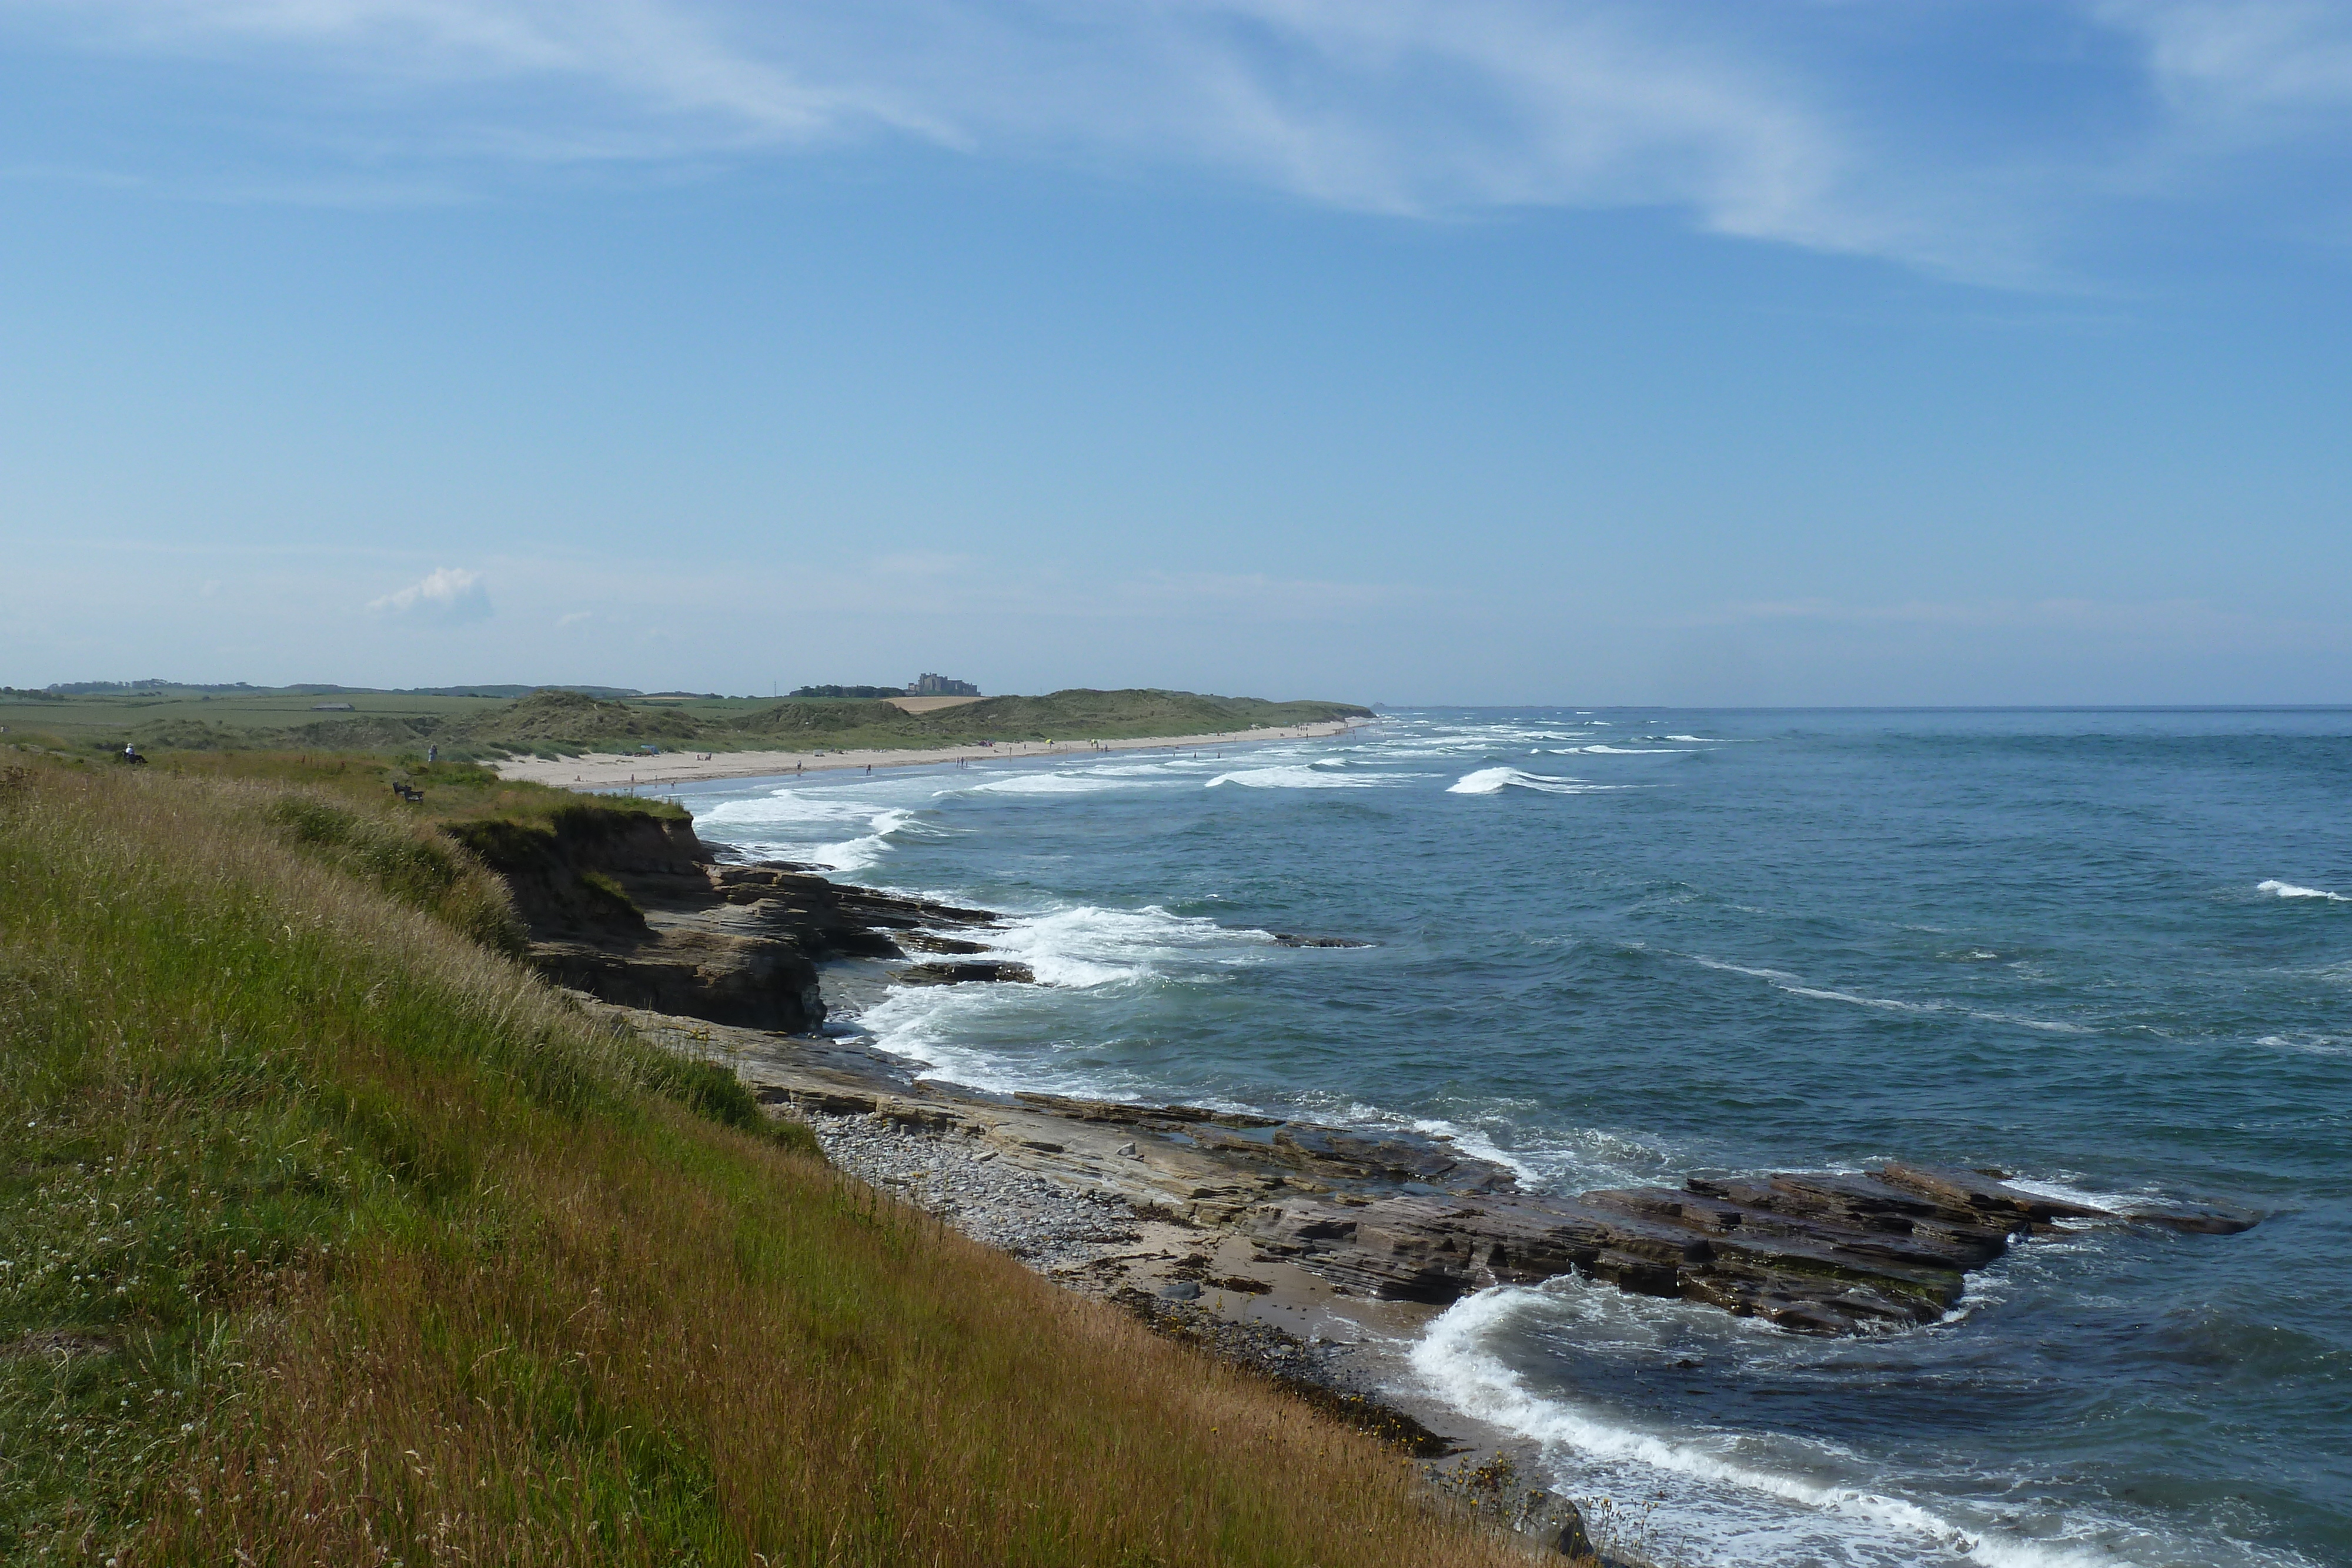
{"points": [[1766, 121], [450, 596]]}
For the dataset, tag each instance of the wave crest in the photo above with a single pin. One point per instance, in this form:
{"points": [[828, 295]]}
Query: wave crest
{"points": [[1494, 780], [2289, 890], [1292, 777]]}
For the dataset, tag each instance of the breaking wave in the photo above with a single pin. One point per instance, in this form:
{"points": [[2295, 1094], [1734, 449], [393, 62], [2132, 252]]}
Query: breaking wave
{"points": [[1295, 776], [1713, 1496], [1090, 782], [2289, 890], [796, 823], [1494, 780], [1781, 980]]}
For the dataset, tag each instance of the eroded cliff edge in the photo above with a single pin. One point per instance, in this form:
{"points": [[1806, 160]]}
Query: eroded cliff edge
{"points": [[636, 911]]}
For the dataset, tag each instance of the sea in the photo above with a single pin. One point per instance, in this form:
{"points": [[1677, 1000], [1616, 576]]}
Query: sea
{"points": [[2108, 950]]}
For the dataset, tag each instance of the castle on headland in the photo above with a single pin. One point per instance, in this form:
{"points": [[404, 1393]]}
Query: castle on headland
{"points": [[930, 685]]}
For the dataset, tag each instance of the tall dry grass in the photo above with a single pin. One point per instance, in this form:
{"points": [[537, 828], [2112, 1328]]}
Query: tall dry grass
{"points": [[352, 1243]]}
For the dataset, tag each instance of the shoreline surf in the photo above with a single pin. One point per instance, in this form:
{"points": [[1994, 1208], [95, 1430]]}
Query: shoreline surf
{"points": [[1910, 963], [613, 770]]}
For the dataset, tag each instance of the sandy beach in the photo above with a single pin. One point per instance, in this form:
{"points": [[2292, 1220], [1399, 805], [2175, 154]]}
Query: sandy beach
{"points": [[600, 770]]}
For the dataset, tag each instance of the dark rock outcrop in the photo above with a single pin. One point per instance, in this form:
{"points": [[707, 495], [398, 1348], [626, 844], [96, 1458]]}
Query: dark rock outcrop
{"points": [[1814, 1253], [967, 974], [635, 910], [1408, 1217]]}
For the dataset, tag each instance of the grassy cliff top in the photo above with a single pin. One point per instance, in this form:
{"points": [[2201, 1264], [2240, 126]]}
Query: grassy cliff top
{"points": [[567, 723], [333, 1236]]}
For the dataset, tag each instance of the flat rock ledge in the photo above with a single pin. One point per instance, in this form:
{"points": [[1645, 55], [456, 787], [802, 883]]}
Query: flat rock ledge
{"points": [[1316, 1255], [1404, 1216]]}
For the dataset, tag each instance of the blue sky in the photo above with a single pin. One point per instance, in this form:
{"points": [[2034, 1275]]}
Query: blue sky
{"points": [[1838, 352]]}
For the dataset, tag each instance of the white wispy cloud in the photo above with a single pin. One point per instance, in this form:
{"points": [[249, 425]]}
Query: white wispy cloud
{"points": [[2263, 66], [450, 594], [1771, 122]]}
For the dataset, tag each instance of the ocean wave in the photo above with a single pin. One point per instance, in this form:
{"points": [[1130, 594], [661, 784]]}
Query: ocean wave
{"points": [[1010, 1037], [788, 807], [1087, 782], [856, 855], [1794, 985], [1294, 777], [797, 821], [2289, 890], [1633, 751], [1091, 946], [1172, 766], [2308, 1044], [2066, 1192], [1710, 1496], [1885, 1003], [1494, 780], [1775, 975]]}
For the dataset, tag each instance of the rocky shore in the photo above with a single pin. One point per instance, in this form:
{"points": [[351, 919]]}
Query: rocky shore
{"points": [[1315, 1254]]}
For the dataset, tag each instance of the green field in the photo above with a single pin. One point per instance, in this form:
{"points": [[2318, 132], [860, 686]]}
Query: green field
{"points": [[330, 1234], [565, 723]]}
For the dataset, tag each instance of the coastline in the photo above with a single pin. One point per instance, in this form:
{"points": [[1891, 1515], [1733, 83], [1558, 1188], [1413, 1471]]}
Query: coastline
{"points": [[610, 771], [1712, 1363], [1118, 1213]]}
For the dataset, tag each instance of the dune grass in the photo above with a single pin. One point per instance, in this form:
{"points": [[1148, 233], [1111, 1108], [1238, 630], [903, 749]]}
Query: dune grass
{"points": [[330, 1235], [190, 725]]}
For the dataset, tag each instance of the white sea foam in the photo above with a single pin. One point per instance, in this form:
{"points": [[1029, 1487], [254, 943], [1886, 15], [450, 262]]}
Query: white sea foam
{"points": [[1010, 1037], [856, 855], [1293, 777], [2289, 890], [1781, 980], [1494, 780], [1634, 750], [1885, 1003], [1172, 766], [796, 823], [1721, 1497], [2308, 1044], [1776, 974], [1090, 945], [788, 807], [1090, 782], [2066, 1192]]}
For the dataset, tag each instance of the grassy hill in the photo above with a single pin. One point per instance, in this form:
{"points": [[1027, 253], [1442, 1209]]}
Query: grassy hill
{"points": [[568, 723], [1075, 715], [332, 1235]]}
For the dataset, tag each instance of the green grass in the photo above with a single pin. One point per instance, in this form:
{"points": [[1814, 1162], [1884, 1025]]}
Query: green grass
{"points": [[330, 1235], [562, 723], [207, 720], [454, 791]]}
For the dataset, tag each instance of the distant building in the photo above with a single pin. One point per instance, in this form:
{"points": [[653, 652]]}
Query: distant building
{"points": [[930, 685]]}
